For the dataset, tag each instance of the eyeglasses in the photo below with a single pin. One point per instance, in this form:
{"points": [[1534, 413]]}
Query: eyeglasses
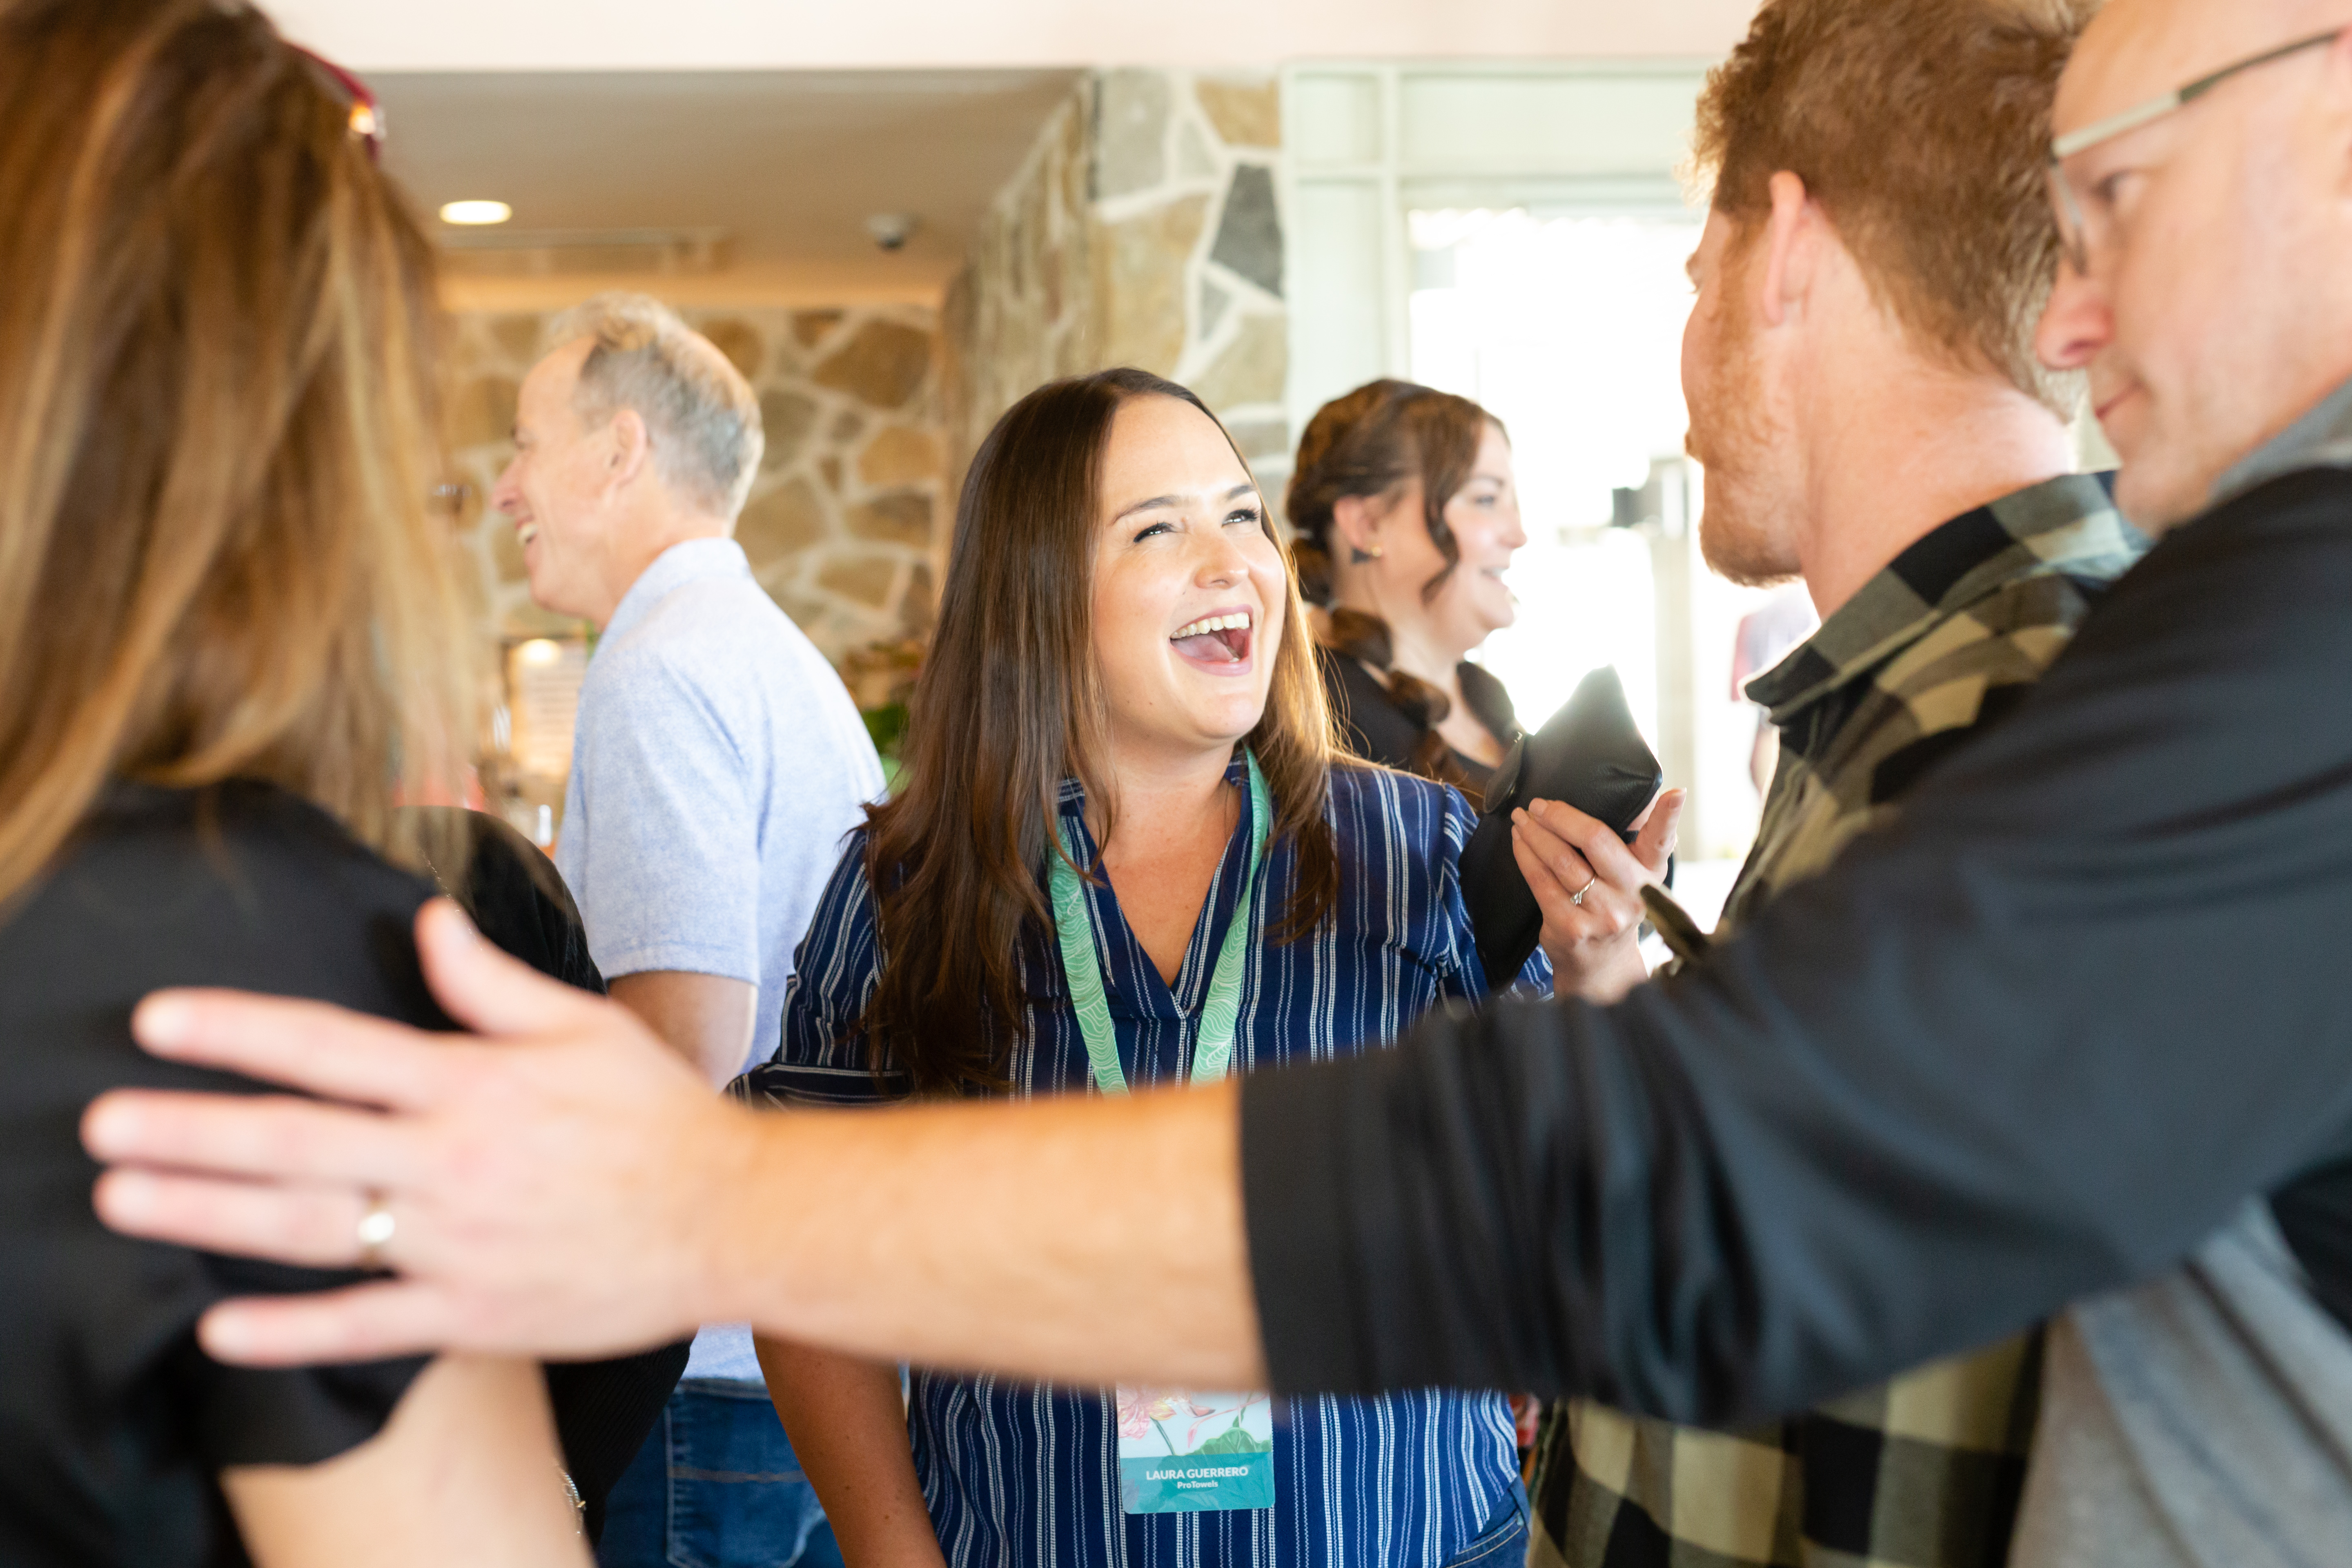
{"points": [[367, 114], [2074, 213]]}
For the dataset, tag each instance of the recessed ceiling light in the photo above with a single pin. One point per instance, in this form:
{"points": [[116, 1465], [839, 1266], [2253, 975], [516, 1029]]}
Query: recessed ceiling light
{"points": [[476, 212]]}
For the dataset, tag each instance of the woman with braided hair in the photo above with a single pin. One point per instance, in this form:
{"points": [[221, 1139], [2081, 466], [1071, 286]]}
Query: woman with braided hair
{"points": [[1407, 515]]}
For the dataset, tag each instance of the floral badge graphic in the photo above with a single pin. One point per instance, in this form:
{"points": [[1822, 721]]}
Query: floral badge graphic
{"points": [[1188, 1452]]}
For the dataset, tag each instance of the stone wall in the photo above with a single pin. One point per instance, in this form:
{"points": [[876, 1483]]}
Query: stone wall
{"points": [[1144, 228], [846, 511]]}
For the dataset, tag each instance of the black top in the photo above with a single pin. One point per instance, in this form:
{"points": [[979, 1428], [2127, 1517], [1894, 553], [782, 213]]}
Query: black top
{"points": [[1372, 726], [112, 1423], [2036, 1041], [511, 891], [602, 1409]]}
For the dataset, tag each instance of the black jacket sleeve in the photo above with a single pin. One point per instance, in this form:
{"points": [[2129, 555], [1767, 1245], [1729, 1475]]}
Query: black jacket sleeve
{"points": [[2033, 1041]]}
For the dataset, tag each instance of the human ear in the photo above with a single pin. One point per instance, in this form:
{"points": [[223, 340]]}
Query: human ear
{"points": [[632, 446], [1353, 520], [1789, 234]]}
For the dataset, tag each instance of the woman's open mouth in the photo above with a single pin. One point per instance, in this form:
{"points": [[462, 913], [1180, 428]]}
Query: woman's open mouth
{"points": [[1220, 642]]}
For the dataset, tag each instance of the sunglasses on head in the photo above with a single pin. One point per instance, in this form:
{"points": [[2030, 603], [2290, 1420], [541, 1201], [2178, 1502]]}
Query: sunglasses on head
{"points": [[367, 115]]}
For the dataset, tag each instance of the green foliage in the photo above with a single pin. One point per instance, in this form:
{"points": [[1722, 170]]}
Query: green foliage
{"points": [[1234, 1441], [887, 726]]}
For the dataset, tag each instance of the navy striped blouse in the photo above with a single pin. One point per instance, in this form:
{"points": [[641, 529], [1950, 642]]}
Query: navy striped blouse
{"points": [[1022, 1476]]}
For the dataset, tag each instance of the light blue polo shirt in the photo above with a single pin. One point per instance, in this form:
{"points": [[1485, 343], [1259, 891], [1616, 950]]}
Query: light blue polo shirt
{"points": [[717, 764]]}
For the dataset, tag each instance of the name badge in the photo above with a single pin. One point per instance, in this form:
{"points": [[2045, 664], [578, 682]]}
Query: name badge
{"points": [[1194, 1453]]}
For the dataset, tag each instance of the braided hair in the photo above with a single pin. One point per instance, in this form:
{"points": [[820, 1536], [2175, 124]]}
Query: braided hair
{"points": [[1372, 443]]}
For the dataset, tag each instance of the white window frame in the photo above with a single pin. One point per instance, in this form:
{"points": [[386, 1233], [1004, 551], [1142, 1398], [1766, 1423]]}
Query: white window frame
{"points": [[1364, 143]]}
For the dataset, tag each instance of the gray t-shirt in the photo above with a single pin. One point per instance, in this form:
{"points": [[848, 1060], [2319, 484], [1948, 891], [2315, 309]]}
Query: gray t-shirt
{"points": [[2202, 1420], [718, 764]]}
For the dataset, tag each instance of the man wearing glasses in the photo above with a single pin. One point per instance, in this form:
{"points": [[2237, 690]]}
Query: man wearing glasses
{"points": [[2073, 1030]]}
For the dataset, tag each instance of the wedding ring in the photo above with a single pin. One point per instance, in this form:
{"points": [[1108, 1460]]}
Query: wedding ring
{"points": [[1576, 898], [374, 1233]]}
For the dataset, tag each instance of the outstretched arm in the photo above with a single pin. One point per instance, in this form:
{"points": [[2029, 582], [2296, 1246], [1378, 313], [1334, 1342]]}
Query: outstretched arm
{"points": [[1083, 1238], [2035, 1041]]}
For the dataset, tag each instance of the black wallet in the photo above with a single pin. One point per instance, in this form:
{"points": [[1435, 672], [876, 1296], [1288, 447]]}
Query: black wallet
{"points": [[1590, 755]]}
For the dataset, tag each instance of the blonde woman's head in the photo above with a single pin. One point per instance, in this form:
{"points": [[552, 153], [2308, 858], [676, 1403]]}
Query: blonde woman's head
{"points": [[218, 329]]}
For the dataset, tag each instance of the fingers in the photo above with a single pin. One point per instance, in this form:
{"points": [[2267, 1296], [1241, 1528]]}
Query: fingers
{"points": [[275, 1136], [1543, 881], [315, 1227], [304, 1045], [364, 1323], [1654, 845], [1588, 939], [1557, 861], [1598, 842], [486, 990]]}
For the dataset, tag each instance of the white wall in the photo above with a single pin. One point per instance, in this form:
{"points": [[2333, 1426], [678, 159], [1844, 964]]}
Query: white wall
{"points": [[631, 35]]}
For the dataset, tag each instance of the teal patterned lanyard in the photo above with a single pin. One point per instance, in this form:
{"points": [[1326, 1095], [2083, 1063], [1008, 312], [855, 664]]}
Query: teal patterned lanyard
{"points": [[1212, 1049]]}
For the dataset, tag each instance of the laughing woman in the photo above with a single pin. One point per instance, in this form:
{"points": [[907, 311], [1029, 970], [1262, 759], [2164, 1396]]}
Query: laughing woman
{"points": [[1123, 853]]}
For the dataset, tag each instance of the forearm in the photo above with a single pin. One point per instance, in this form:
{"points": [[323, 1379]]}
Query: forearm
{"points": [[1082, 1240], [466, 1470], [848, 1428], [708, 1020], [2032, 1042], [1905, 1114]]}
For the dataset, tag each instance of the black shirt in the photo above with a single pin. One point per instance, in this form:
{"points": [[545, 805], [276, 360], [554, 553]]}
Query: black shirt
{"points": [[113, 1424], [602, 1409], [1372, 726], [512, 893], [2036, 1041]]}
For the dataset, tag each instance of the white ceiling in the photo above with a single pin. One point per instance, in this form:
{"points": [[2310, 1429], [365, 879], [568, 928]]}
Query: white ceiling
{"points": [[631, 34], [785, 123], [789, 164]]}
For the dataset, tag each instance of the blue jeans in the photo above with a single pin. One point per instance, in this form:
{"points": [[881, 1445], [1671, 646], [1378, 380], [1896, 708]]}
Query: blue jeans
{"points": [[1504, 1542], [716, 1486]]}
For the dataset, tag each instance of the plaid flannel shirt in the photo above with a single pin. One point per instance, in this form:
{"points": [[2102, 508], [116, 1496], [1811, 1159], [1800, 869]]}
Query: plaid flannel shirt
{"points": [[1925, 1471]]}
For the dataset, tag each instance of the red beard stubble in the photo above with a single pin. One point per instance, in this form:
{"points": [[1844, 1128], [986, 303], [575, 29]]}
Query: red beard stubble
{"points": [[1731, 438]]}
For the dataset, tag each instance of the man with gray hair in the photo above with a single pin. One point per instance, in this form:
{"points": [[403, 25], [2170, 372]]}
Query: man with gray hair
{"points": [[716, 765]]}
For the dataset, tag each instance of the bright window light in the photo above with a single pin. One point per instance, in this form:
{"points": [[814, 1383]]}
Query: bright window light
{"points": [[472, 213], [1569, 330]]}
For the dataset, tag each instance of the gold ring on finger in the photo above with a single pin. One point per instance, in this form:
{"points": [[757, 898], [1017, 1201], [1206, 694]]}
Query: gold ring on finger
{"points": [[375, 1235]]}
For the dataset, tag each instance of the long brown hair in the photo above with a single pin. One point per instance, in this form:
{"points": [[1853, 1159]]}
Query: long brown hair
{"points": [[1010, 704], [1372, 444], [216, 336]]}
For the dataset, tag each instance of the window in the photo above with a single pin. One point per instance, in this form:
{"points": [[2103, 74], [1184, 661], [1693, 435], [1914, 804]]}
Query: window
{"points": [[1516, 234]]}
